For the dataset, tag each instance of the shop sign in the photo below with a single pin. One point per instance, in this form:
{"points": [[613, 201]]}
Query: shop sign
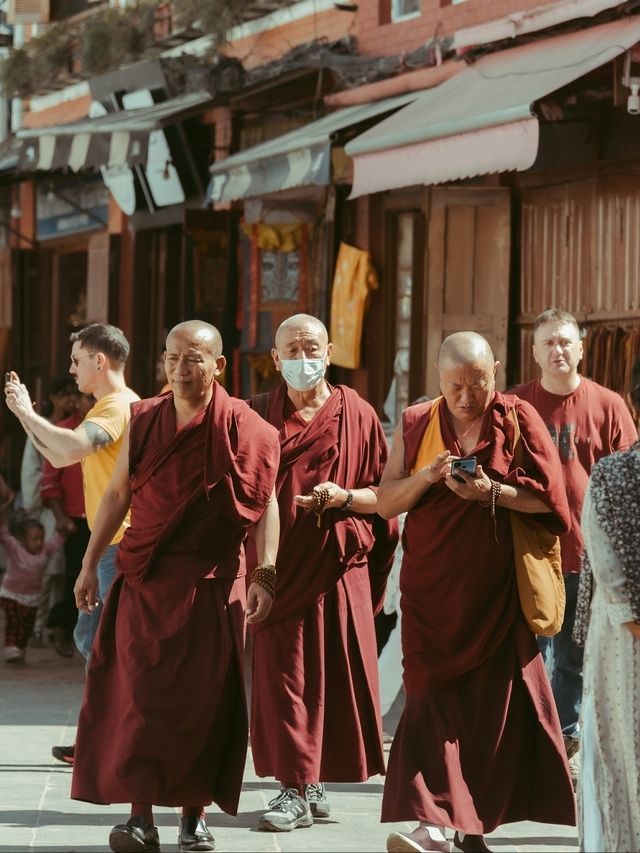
{"points": [[71, 208]]}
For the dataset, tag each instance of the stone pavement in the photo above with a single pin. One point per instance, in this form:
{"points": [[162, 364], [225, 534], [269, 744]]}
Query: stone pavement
{"points": [[38, 707]]}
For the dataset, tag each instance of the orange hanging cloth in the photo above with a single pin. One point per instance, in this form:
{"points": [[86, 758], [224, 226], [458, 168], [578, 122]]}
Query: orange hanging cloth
{"points": [[354, 278]]}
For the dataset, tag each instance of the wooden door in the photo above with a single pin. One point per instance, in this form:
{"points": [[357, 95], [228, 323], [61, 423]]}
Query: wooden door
{"points": [[394, 330], [468, 271]]}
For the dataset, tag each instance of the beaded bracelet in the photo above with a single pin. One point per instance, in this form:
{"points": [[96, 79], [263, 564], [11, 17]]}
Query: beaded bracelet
{"points": [[346, 506], [264, 575]]}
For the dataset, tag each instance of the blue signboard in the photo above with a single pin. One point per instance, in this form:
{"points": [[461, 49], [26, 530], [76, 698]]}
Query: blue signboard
{"points": [[71, 207]]}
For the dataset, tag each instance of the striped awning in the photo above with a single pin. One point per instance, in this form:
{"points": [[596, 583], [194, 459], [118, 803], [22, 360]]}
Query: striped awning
{"points": [[299, 158], [116, 139]]}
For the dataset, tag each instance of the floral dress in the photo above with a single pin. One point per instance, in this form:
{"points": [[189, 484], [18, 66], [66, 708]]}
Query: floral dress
{"points": [[609, 792]]}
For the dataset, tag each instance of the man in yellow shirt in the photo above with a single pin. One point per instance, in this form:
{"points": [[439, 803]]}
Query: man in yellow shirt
{"points": [[98, 357]]}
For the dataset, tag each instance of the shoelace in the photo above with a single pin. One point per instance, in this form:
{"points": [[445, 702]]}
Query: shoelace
{"points": [[285, 796], [314, 790]]}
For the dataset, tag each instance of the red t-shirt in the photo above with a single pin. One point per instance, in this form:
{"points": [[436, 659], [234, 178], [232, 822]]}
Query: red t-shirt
{"points": [[65, 484], [585, 425]]}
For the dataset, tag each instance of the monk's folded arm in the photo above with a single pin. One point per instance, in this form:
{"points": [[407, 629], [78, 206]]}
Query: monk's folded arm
{"points": [[399, 490], [112, 509], [522, 500]]}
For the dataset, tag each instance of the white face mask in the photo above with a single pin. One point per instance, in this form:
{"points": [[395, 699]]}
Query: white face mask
{"points": [[302, 374]]}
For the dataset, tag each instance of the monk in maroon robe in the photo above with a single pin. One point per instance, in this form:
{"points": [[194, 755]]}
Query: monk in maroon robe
{"points": [[164, 716], [315, 706], [479, 742]]}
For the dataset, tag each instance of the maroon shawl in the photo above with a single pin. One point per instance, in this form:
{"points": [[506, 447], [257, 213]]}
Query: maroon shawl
{"points": [[344, 444], [456, 578], [219, 469]]}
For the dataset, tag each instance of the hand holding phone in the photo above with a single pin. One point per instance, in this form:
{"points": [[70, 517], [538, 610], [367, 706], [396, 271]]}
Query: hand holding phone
{"points": [[468, 465]]}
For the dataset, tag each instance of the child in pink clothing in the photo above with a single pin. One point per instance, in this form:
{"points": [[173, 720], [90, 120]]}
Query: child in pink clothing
{"points": [[27, 556]]}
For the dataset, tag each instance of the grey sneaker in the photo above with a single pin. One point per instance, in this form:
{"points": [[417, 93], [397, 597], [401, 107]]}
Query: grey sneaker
{"points": [[571, 745], [287, 811], [316, 796]]}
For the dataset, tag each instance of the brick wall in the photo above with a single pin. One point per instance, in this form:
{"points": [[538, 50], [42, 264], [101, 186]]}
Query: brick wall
{"points": [[267, 46], [375, 38]]}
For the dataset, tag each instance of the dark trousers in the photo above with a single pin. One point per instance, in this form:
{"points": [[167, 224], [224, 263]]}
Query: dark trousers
{"points": [[19, 622], [563, 659], [64, 614]]}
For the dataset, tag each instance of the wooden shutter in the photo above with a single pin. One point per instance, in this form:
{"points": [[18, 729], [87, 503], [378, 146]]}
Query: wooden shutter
{"points": [[468, 268], [98, 278], [28, 12]]}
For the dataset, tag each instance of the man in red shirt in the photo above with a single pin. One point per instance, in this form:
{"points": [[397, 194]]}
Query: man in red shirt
{"points": [[586, 422]]}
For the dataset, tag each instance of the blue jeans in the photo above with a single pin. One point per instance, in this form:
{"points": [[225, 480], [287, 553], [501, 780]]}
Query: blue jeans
{"points": [[563, 659], [87, 623]]}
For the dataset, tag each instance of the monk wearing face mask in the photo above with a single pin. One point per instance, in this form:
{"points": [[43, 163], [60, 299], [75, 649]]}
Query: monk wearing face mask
{"points": [[315, 706]]}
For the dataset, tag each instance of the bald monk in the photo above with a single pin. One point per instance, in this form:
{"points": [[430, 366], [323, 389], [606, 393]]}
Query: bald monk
{"points": [[479, 742], [164, 719], [315, 706]]}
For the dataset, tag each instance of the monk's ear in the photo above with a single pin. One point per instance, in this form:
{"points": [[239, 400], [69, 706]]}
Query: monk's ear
{"points": [[329, 352], [496, 365], [276, 358], [221, 362]]}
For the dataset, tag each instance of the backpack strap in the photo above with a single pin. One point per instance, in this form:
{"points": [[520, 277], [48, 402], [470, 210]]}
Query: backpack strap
{"points": [[518, 454]]}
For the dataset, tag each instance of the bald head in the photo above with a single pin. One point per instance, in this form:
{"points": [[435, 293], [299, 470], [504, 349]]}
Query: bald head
{"points": [[199, 332], [301, 322], [467, 375], [462, 348]]}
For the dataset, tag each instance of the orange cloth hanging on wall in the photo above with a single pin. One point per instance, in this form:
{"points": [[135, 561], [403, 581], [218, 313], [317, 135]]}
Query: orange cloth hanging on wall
{"points": [[354, 278]]}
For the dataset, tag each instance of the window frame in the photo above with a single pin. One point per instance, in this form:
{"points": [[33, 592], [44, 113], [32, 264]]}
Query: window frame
{"points": [[396, 16]]}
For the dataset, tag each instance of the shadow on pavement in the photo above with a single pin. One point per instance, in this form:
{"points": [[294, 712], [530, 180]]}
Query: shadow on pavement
{"points": [[527, 843]]}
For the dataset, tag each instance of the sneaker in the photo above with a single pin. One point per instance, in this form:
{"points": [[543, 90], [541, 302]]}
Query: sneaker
{"points": [[66, 754], [574, 769], [316, 796], [571, 745], [287, 811], [12, 654]]}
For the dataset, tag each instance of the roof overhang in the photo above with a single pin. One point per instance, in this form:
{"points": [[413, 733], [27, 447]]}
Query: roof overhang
{"points": [[301, 157], [481, 120], [116, 139]]}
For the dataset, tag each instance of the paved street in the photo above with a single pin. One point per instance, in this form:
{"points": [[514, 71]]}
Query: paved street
{"points": [[38, 707]]}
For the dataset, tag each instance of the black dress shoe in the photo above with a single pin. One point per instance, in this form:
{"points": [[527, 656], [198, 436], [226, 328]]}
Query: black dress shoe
{"points": [[134, 836], [194, 835], [470, 843]]}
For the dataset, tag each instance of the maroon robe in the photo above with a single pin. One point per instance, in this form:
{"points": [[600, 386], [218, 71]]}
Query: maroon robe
{"points": [[479, 743], [164, 717], [315, 705]]}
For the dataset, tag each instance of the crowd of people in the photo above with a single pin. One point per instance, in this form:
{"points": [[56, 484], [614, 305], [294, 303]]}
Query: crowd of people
{"points": [[188, 517]]}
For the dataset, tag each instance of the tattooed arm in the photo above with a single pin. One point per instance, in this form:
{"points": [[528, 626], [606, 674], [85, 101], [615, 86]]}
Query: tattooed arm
{"points": [[59, 445], [64, 446]]}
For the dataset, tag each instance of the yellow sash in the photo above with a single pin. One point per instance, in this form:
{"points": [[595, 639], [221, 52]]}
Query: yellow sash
{"points": [[432, 442]]}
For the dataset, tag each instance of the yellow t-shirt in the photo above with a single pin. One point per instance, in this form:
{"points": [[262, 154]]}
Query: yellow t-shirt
{"points": [[112, 414]]}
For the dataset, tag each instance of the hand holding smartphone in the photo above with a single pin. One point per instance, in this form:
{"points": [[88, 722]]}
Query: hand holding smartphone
{"points": [[468, 465]]}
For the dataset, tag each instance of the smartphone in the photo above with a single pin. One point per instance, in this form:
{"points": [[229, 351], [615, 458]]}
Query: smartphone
{"points": [[467, 465]]}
